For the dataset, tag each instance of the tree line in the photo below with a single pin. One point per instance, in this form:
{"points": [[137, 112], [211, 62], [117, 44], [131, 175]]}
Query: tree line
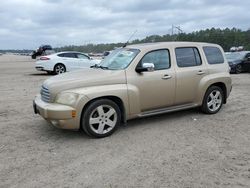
{"points": [[224, 37]]}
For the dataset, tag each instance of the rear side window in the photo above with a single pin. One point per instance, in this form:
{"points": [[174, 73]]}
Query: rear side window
{"points": [[69, 55], [213, 55], [187, 57], [60, 55], [160, 58]]}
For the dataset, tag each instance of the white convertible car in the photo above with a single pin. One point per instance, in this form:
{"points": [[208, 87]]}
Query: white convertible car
{"points": [[64, 61]]}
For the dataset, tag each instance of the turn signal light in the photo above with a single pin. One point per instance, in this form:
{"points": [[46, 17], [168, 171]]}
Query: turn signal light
{"points": [[73, 113]]}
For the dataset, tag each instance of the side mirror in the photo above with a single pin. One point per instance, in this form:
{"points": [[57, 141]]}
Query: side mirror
{"points": [[146, 67]]}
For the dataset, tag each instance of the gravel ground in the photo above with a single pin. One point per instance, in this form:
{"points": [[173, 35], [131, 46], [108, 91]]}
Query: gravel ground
{"points": [[183, 149]]}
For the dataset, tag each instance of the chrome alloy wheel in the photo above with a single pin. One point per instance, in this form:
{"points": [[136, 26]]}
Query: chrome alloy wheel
{"points": [[214, 100], [60, 69], [103, 119]]}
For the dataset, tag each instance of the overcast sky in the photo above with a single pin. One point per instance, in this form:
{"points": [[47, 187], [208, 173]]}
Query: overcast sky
{"points": [[25, 24]]}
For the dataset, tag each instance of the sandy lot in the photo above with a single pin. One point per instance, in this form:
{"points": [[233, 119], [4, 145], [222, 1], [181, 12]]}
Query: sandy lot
{"points": [[183, 149]]}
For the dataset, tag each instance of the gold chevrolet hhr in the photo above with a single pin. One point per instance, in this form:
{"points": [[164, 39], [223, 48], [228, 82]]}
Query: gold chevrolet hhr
{"points": [[137, 81]]}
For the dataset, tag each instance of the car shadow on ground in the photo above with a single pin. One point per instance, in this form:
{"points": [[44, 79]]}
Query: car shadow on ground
{"points": [[190, 113], [52, 132], [39, 74]]}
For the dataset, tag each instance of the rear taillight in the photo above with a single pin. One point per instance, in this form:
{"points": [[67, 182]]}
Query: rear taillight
{"points": [[44, 58]]}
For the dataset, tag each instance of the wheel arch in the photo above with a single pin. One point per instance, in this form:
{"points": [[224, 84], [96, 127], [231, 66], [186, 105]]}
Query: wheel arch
{"points": [[222, 86], [115, 99]]}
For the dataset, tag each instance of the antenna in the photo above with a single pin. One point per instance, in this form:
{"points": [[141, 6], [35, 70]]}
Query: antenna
{"points": [[179, 29], [129, 39]]}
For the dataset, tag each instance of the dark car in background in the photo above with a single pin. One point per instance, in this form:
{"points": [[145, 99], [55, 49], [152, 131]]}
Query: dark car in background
{"points": [[239, 61], [42, 50]]}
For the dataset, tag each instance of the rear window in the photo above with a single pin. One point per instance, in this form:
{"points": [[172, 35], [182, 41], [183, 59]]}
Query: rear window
{"points": [[213, 55]]}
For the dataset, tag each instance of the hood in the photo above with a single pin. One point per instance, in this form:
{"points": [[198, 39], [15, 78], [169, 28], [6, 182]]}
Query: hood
{"points": [[83, 78], [234, 62]]}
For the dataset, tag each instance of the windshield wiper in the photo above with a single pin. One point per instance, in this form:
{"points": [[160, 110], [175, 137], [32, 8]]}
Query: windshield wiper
{"points": [[98, 66]]}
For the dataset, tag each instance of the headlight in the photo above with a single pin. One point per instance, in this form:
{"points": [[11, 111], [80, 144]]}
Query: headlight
{"points": [[66, 98]]}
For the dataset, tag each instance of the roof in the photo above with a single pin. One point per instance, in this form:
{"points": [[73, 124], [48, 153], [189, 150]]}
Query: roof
{"points": [[145, 46], [72, 52]]}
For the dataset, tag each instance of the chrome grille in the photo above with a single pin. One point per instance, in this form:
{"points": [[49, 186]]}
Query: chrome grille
{"points": [[45, 94]]}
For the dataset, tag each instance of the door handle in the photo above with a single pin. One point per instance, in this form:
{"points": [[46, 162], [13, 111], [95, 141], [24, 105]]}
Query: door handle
{"points": [[166, 76], [200, 72]]}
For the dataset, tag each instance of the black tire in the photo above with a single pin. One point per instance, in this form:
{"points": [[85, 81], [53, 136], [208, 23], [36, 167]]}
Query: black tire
{"points": [[238, 69], [59, 68], [205, 108], [33, 56], [92, 112]]}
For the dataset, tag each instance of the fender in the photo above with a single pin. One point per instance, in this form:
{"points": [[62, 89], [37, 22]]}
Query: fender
{"points": [[90, 93], [211, 79]]}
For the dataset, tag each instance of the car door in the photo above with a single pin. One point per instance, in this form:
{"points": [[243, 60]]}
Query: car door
{"points": [[70, 61], [189, 72], [83, 61], [156, 88]]}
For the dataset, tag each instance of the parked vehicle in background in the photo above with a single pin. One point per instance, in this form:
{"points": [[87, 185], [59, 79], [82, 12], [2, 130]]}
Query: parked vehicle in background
{"points": [[64, 61], [236, 49], [106, 53], [42, 50], [137, 81], [238, 61]]}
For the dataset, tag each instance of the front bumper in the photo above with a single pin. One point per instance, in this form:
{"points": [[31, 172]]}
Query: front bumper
{"points": [[61, 116]]}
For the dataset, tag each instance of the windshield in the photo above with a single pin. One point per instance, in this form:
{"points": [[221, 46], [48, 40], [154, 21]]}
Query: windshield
{"points": [[235, 56], [119, 59]]}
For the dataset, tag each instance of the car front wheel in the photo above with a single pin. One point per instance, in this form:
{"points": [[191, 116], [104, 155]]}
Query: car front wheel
{"points": [[101, 118], [238, 69], [213, 100]]}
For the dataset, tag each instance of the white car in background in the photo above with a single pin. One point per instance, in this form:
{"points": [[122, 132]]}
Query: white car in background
{"points": [[64, 61]]}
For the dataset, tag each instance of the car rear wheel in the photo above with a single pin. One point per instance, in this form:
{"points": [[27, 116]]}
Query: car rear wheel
{"points": [[101, 118], [238, 69], [213, 100], [59, 69]]}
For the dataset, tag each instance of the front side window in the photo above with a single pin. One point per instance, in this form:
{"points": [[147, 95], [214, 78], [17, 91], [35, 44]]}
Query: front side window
{"points": [[213, 55], [187, 57], [81, 56], [160, 59], [119, 59]]}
